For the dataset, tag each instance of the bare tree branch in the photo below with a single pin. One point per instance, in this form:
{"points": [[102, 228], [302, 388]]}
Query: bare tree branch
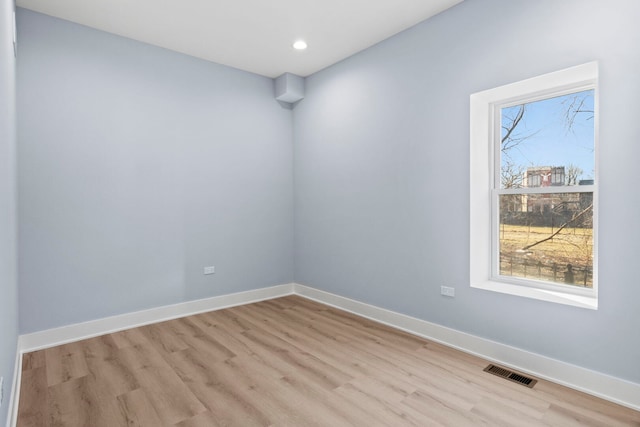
{"points": [[513, 125], [575, 107], [562, 227], [510, 138]]}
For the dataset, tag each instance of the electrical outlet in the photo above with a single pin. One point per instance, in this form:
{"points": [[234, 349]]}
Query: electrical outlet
{"points": [[447, 291], [209, 270]]}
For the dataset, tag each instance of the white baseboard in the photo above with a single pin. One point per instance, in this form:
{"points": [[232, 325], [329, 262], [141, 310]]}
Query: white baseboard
{"points": [[604, 386], [595, 383], [94, 328], [12, 413]]}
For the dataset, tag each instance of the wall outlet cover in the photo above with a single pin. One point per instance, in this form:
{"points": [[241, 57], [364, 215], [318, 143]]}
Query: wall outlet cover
{"points": [[447, 291]]}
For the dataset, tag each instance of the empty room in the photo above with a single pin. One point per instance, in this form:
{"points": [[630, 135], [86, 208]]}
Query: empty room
{"points": [[319, 213]]}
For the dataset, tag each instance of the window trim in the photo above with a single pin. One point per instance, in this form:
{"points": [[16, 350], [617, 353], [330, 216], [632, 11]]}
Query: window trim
{"points": [[483, 109]]}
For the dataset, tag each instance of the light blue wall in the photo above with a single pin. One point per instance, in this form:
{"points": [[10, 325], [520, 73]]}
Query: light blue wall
{"points": [[8, 227], [138, 167], [382, 172]]}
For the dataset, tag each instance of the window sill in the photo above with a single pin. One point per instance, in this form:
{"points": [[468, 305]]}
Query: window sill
{"points": [[557, 297]]}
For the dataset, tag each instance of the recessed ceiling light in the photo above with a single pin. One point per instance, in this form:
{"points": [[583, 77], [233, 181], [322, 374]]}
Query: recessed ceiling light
{"points": [[300, 45]]}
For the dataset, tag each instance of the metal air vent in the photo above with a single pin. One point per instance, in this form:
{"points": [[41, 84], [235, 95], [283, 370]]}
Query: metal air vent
{"points": [[511, 376]]}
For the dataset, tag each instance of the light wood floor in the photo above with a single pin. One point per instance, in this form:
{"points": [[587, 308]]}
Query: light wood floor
{"points": [[285, 362]]}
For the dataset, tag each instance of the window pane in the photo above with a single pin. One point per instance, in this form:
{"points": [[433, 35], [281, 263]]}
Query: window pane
{"points": [[548, 142], [547, 237]]}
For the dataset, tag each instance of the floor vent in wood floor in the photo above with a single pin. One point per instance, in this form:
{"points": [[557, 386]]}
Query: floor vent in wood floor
{"points": [[511, 376]]}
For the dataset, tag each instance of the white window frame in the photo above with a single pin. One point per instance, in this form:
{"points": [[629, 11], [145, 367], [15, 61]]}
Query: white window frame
{"points": [[485, 125]]}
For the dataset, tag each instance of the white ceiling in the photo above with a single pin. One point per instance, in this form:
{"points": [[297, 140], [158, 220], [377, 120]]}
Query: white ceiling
{"points": [[252, 35]]}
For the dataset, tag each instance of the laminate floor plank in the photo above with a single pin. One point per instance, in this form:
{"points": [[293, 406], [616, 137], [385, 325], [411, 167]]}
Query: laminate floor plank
{"points": [[35, 359], [226, 319], [129, 337], [207, 419], [325, 340], [249, 384], [65, 362], [80, 402], [436, 412], [374, 332], [169, 395], [114, 375], [321, 345], [384, 387], [138, 409], [292, 359], [291, 352], [226, 338], [141, 356], [385, 412], [228, 400], [499, 414], [285, 362], [561, 416], [592, 407], [34, 401], [163, 337], [296, 402], [196, 338]]}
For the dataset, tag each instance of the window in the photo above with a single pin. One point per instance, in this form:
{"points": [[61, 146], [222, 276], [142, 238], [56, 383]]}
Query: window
{"points": [[534, 188]]}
